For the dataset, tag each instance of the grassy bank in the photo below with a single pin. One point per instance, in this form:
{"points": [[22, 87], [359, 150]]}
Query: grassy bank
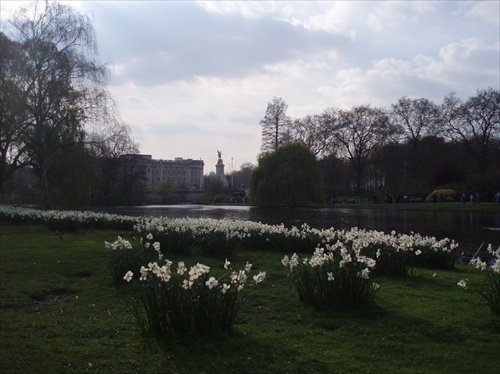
{"points": [[459, 207], [61, 313]]}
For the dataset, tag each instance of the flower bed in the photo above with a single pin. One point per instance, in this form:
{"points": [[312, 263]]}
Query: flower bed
{"points": [[170, 302], [490, 288], [394, 253]]}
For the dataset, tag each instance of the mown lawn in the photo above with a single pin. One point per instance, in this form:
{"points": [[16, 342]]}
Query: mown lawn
{"points": [[61, 313]]}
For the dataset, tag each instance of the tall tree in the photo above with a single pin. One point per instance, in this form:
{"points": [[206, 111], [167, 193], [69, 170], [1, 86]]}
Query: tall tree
{"points": [[62, 82], [108, 146], [314, 131], [213, 185], [275, 125], [13, 109], [416, 118], [288, 176], [335, 175], [72, 174], [474, 123], [241, 177], [357, 132]]}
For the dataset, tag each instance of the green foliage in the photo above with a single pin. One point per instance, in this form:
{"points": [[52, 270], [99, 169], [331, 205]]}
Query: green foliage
{"points": [[435, 259], [288, 176], [168, 301], [217, 244], [442, 195], [181, 306], [213, 185], [174, 239], [121, 261], [490, 291], [165, 187], [63, 225], [390, 261], [72, 175], [123, 257], [329, 280]]}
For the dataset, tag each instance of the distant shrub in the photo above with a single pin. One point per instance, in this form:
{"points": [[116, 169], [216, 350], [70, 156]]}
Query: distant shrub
{"points": [[442, 195]]}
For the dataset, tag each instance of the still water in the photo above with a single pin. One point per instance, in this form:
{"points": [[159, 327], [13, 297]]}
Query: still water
{"points": [[469, 229]]}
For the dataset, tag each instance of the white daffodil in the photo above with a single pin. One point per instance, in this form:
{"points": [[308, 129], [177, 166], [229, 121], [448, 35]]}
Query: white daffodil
{"points": [[248, 267], [259, 277], [211, 282], [128, 276]]}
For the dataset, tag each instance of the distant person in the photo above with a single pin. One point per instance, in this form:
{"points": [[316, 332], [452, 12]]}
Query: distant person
{"points": [[497, 197], [462, 198], [471, 199]]}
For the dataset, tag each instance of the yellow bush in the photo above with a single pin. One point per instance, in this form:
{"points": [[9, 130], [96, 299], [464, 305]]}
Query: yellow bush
{"points": [[442, 195]]}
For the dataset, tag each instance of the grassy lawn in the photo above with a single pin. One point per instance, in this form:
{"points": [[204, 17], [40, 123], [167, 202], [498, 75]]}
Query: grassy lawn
{"points": [[458, 207], [61, 313]]}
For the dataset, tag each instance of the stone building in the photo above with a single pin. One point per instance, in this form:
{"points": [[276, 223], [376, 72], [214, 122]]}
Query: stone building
{"points": [[185, 173]]}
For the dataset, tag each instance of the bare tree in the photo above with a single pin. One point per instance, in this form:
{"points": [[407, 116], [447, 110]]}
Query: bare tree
{"points": [[275, 125], [61, 80], [474, 123], [357, 132], [165, 187], [415, 118], [108, 146], [315, 131], [241, 177], [13, 109]]}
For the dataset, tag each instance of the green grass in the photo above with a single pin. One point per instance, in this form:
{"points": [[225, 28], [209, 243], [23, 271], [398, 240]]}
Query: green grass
{"points": [[61, 313], [458, 207]]}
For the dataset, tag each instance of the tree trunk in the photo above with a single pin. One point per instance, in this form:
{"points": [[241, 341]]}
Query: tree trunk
{"points": [[46, 190]]}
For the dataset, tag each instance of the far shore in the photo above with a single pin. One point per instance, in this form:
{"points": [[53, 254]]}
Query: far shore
{"points": [[467, 207]]}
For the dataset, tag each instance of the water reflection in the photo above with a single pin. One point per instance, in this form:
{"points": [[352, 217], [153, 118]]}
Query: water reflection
{"points": [[467, 228]]}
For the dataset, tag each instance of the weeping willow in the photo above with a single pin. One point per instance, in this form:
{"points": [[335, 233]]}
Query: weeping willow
{"points": [[288, 176]]}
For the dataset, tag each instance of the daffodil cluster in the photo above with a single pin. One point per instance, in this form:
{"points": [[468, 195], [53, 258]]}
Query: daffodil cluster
{"points": [[395, 253], [482, 265], [175, 300], [489, 289], [335, 276], [67, 220], [163, 273]]}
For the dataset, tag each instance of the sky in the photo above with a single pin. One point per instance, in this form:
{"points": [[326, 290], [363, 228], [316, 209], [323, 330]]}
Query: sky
{"points": [[193, 78]]}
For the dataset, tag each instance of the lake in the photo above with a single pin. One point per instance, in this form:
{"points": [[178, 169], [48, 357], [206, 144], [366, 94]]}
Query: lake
{"points": [[469, 229]]}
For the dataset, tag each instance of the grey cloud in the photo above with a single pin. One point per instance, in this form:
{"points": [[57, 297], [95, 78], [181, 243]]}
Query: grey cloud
{"points": [[164, 41]]}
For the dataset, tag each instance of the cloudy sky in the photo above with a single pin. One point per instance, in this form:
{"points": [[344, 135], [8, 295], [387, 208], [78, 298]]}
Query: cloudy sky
{"points": [[191, 78]]}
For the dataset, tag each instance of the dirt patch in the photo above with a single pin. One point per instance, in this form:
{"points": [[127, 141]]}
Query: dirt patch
{"points": [[83, 274], [52, 295]]}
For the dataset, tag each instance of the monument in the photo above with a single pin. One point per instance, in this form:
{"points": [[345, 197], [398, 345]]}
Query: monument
{"points": [[219, 169]]}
